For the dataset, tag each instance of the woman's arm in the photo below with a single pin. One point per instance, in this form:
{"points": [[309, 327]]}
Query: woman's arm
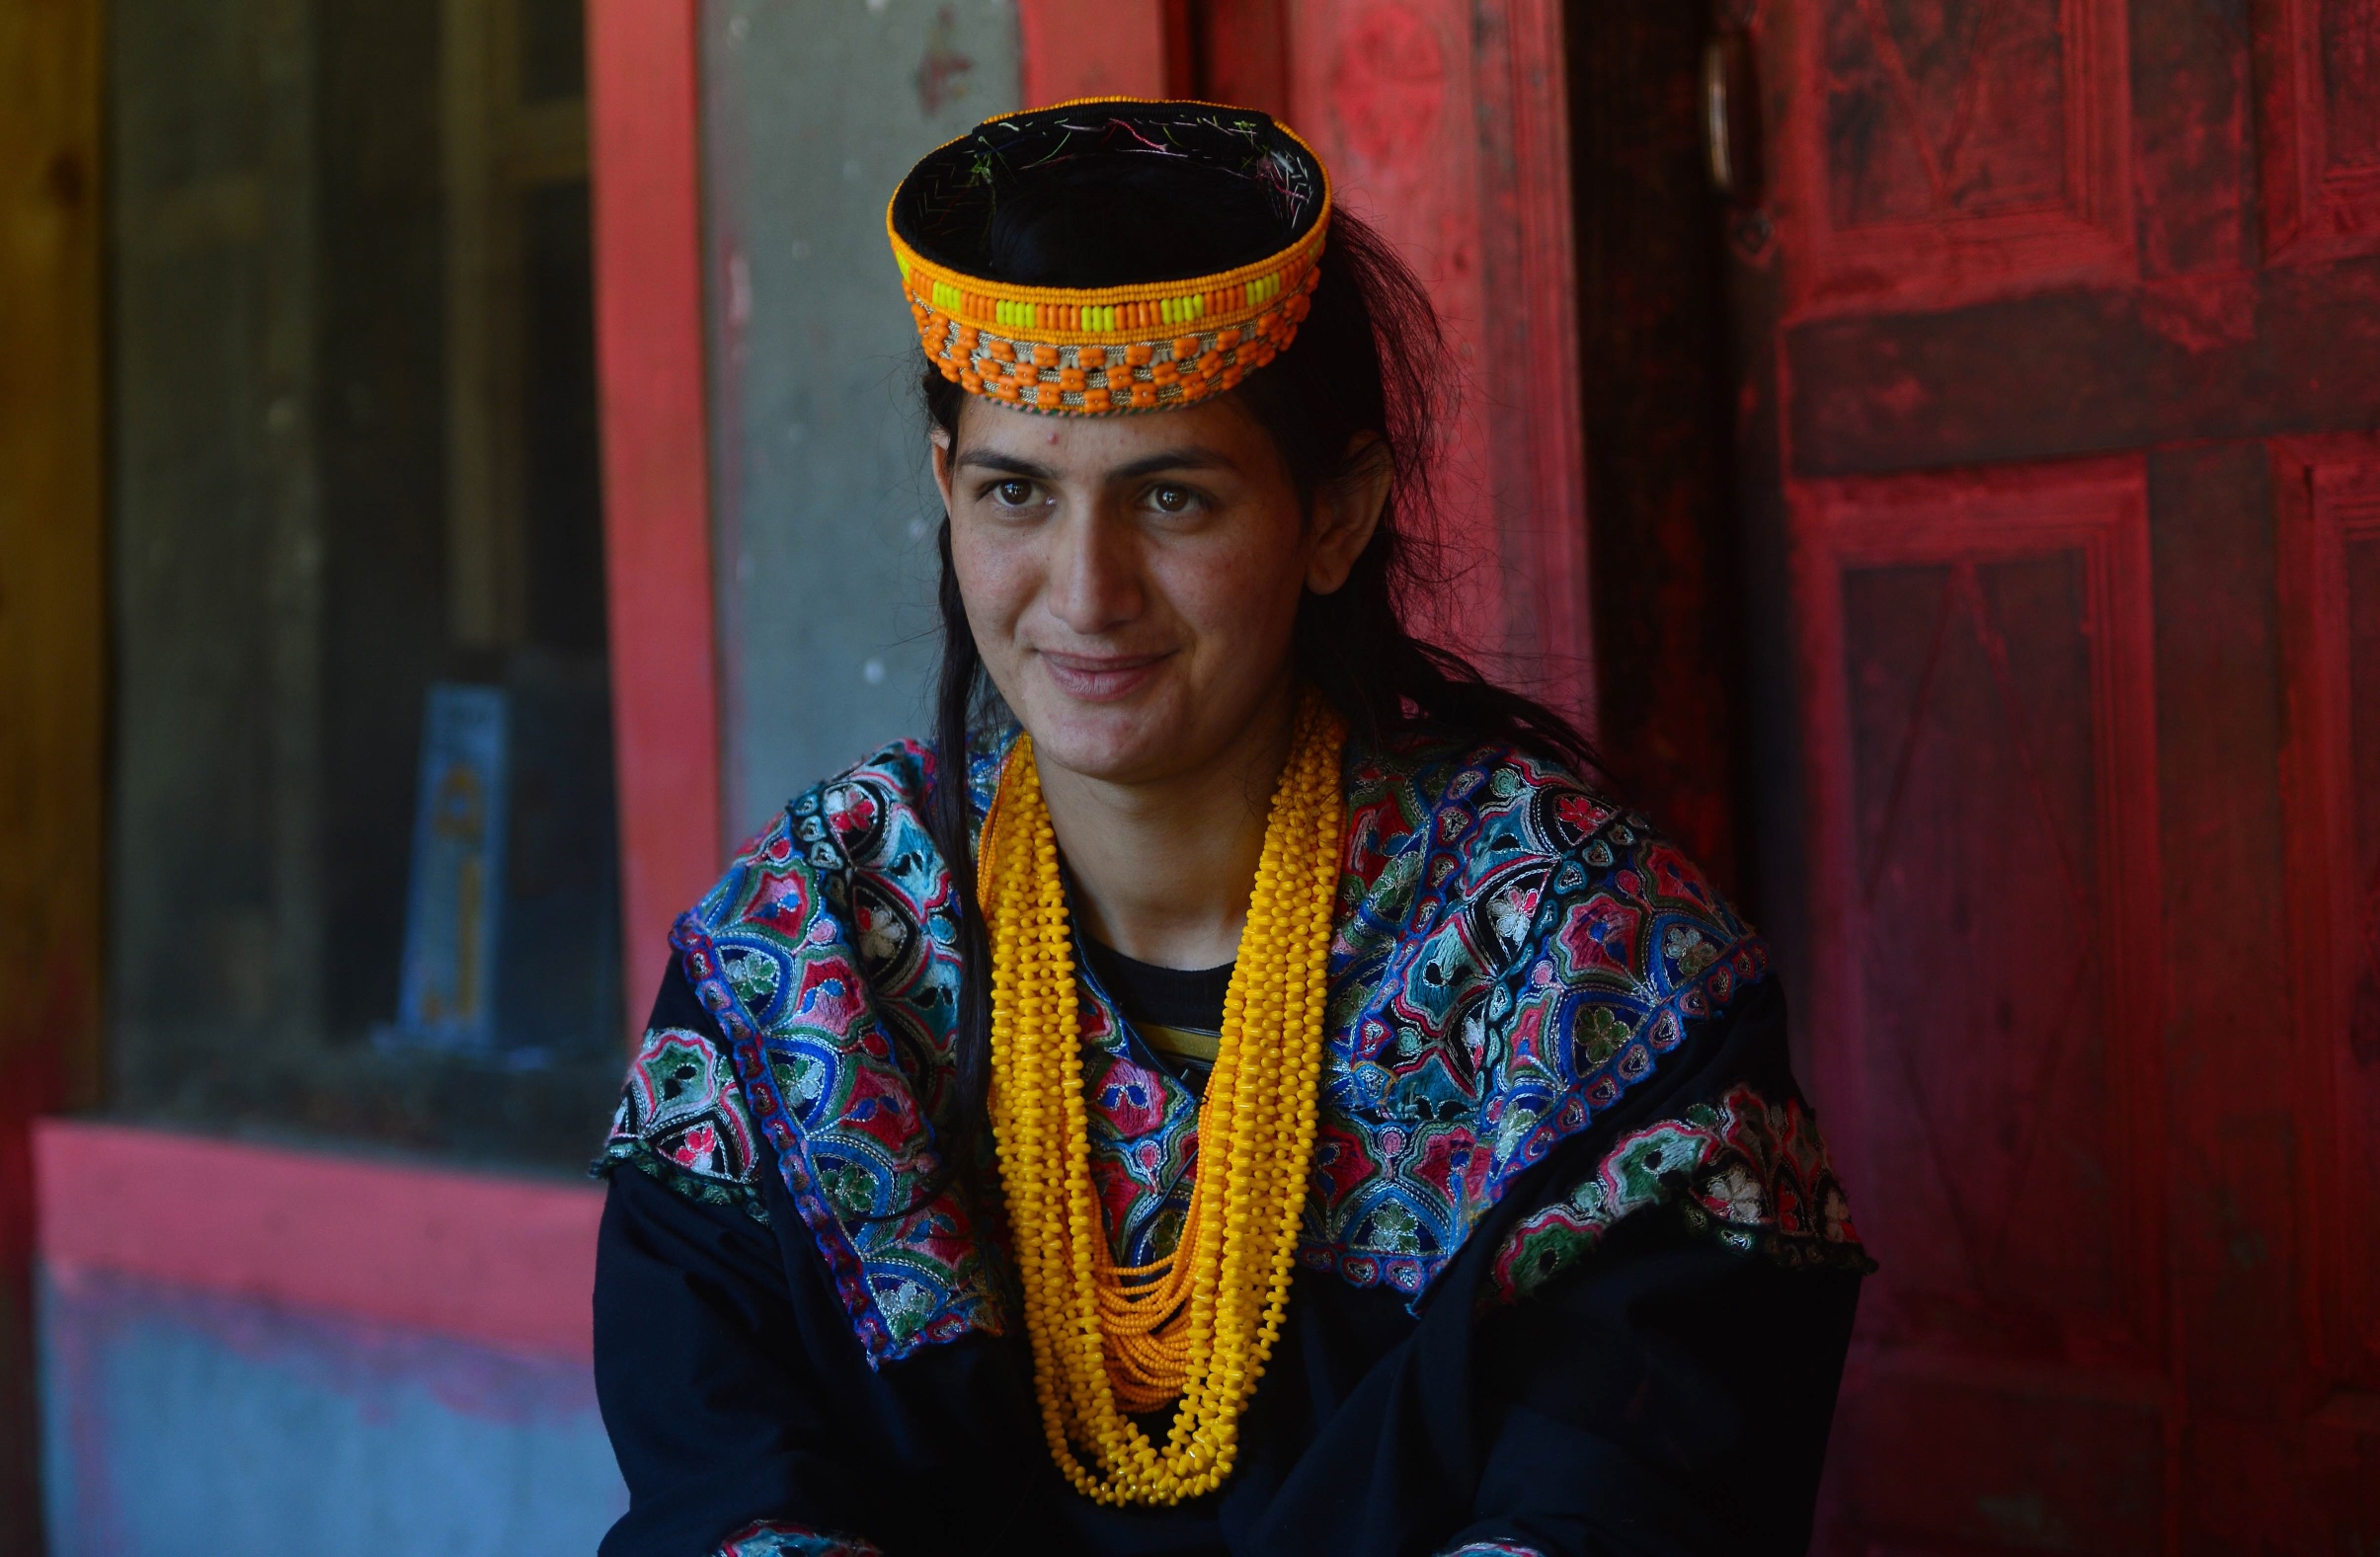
{"points": [[1659, 1337], [1671, 1395], [716, 1415]]}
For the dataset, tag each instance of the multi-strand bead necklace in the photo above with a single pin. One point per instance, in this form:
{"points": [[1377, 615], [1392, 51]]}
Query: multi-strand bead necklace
{"points": [[1198, 1325]]}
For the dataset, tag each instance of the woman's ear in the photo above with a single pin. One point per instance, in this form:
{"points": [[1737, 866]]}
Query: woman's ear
{"points": [[942, 446], [1347, 510]]}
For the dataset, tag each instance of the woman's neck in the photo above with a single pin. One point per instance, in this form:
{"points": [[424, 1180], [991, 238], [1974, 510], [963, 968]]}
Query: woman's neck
{"points": [[1163, 871]]}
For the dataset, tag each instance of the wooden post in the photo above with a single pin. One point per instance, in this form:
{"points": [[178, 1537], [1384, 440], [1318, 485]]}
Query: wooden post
{"points": [[644, 154], [51, 648], [1087, 48]]}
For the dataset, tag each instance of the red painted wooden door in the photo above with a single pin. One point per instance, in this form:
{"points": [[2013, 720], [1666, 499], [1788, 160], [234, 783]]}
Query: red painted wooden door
{"points": [[1445, 125], [2061, 361]]}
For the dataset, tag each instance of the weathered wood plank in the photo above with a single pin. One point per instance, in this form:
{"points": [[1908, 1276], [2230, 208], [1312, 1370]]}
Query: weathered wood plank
{"points": [[52, 647]]}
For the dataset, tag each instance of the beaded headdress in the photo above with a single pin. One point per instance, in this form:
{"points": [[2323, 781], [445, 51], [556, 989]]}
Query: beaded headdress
{"points": [[1144, 346]]}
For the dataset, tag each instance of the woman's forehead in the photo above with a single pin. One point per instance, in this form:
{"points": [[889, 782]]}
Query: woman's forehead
{"points": [[1219, 431]]}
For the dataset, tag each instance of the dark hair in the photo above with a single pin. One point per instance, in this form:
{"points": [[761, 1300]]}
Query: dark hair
{"points": [[1366, 360]]}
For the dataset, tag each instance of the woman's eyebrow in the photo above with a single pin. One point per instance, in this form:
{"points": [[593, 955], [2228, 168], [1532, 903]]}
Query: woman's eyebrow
{"points": [[1190, 458], [1009, 464]]}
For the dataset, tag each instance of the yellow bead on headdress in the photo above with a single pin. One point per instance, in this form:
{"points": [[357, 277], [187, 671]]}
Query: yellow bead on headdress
{"points": [[1100, 350]]}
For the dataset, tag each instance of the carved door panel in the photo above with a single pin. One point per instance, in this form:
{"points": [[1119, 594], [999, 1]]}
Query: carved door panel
{"points": [[2060, 328], [2329, 493]]}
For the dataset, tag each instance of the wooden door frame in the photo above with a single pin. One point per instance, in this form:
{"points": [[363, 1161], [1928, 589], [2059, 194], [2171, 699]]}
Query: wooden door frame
{"points": [[53, 652], [644, 154], [1081, 49]]}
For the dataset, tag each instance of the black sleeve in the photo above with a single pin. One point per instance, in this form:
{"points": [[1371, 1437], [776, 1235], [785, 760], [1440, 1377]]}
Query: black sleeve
{"points": [[701, 1365], [1671, 1391], [1671, 1396]]}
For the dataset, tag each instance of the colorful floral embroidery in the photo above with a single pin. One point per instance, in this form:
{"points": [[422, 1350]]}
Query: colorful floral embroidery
{"points": [[1144, 1134], [825, 954], [770, 1538], [681, 1118], [1514, 954], [1749, 1173]]}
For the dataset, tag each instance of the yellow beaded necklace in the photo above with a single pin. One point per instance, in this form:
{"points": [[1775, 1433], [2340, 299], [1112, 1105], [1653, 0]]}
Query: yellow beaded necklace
{"points": [[1200, 1324]]}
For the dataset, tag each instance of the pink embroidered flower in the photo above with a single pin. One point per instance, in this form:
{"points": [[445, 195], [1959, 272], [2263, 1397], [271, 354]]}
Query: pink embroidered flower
{"points": [[1132, 1100], [696, 1149]]}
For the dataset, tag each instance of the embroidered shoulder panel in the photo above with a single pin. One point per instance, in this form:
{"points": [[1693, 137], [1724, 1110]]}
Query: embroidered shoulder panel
{"points": [[1749, 1172], [1514, 954], [776, 1538], [825, 955], [681, 1118]]}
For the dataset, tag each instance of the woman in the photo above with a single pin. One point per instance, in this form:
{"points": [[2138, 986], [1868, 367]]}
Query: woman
{"points": [[1236, 1089]]}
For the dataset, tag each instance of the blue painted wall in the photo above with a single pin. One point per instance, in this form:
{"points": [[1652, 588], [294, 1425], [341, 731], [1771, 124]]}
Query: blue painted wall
{"points": [[181, 1423], [812, 112]]}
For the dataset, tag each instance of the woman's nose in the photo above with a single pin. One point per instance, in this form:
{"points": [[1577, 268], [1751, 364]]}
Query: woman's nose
{"points": [[1095, 577]]}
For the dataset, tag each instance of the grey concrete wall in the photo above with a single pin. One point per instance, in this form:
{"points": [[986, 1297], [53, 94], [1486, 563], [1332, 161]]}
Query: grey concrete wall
{"points": [[825, 514]]}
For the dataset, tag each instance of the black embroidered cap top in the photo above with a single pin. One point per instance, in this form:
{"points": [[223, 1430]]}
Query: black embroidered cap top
{"points": [[1127, 341]]}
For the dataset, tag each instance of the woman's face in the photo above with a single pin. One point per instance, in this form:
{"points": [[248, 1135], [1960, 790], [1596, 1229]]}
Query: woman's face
{"points": [[1132, 581]]}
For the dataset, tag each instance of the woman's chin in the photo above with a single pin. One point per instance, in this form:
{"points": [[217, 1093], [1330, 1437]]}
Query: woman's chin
{"points": [[1116, 743]]}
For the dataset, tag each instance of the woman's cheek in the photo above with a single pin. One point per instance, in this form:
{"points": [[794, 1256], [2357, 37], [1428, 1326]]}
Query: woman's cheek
{"points": [[996, 577], [1250, 586]]}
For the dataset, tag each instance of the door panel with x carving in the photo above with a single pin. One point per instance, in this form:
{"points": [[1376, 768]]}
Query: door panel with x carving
{"points": [[2060, 382]]}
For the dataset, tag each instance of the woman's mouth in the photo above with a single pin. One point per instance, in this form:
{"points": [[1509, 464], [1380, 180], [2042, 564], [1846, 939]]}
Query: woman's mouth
{"points": [[1102, 679]]}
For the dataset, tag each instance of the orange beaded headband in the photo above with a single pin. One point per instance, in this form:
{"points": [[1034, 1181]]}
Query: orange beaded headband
{"points": [[1093, 351]]}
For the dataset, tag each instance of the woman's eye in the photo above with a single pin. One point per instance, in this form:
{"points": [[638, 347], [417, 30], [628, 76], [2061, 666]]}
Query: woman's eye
{"points": [[1012, 494], [1172, 500]]}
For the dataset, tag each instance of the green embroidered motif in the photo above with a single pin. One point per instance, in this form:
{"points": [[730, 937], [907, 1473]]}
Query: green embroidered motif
{"points": [[1749, 1173]]}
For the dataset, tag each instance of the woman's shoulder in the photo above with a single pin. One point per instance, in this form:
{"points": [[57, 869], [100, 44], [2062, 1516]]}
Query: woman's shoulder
{"points": [[846, 818], [870, 818], [1456, 819], [845, 891], [1453, 786], [826, 958], [1522, 960]]}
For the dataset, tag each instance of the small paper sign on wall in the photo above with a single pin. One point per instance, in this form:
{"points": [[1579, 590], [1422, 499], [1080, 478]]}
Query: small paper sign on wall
{"points": [[447, 998]]}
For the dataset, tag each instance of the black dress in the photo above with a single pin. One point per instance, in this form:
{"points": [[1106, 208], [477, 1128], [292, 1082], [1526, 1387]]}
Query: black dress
{"points": [[1553, 1299]]}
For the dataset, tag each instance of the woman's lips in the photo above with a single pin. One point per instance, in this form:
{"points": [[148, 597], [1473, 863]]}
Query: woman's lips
{"points": [[1095, 678]]}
